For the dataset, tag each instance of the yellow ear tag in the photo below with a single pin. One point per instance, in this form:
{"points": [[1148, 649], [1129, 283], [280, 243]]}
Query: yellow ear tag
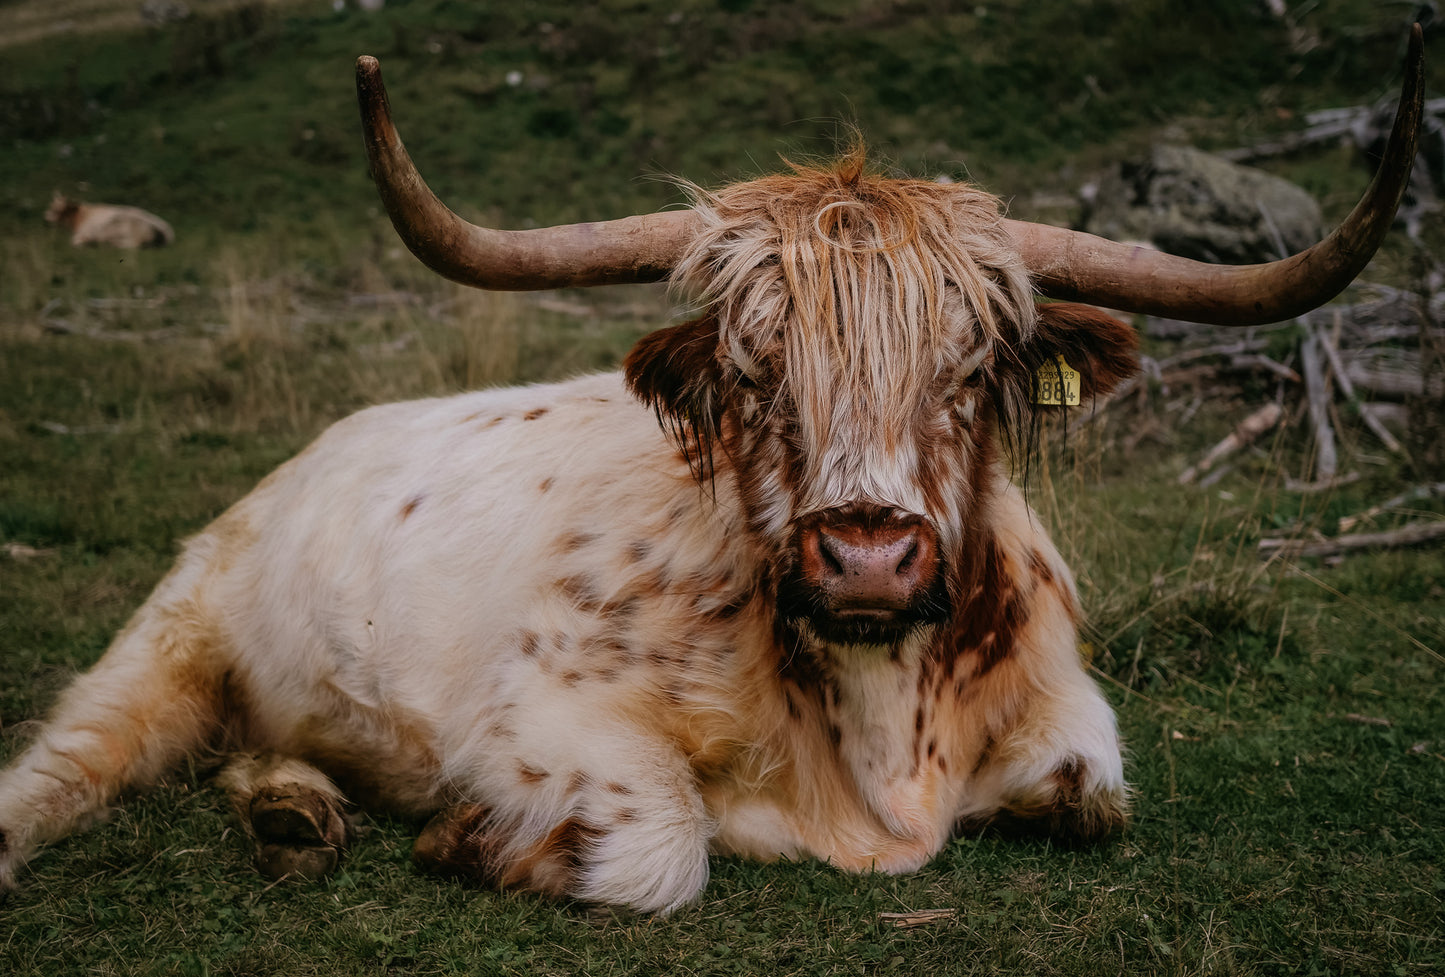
{"points": [[1056, 384]]}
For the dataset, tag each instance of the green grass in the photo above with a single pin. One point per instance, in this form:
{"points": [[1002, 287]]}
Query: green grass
{"points": [[1278, 828]]}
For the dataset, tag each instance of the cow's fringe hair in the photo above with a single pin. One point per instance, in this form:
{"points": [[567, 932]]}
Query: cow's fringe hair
{"points": [[853, 274]]}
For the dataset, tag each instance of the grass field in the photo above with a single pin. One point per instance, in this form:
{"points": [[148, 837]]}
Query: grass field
{"points": [[1285, 723]]}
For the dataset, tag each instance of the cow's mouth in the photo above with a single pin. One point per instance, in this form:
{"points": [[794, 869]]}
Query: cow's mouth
{"points": [[859, 622]]}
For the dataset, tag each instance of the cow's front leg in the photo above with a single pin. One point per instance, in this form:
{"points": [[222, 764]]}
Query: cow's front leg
{"points": [[295, 814], [1057, 770], [624, 826]]}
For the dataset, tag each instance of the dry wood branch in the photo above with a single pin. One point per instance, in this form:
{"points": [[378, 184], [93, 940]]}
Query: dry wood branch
{"points": [[1411, 534], [1326, 485], [1247, 430], [1326, 460], [1415, 494], [1258, 361], [1348, 389]]}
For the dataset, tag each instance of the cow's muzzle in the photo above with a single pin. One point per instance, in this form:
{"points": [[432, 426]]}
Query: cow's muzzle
{"points": [[864, 575]]}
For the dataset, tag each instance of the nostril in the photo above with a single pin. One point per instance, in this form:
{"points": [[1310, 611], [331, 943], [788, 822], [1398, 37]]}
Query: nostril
{"points": [[832, 561], [909, 558]]}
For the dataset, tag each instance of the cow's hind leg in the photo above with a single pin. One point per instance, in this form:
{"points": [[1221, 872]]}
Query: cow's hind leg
{"points": [[155, 696], [295, 813], [627, 828]]}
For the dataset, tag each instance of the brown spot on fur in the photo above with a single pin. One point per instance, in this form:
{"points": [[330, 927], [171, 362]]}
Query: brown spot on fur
{"points": [[625, 815], [552, 866], [546, 485], [411, 506], [529, 774], [530, 644], [578, 782], [535, 413], [989, 622], [576, 540], [571, 677], [617, 788], [932, 748], [985, 754], [638, 550], [581, 590], [1040, 567]]}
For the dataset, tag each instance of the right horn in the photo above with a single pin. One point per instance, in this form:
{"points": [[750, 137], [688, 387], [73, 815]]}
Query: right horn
{"points": [[1081, 267]]}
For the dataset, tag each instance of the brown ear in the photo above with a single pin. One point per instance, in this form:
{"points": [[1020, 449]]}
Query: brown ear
{"points": [[675, 371], [1104, 350]]}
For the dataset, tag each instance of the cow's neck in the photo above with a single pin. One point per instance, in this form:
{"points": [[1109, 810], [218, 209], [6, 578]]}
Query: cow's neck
{"points": [[871, 701]]}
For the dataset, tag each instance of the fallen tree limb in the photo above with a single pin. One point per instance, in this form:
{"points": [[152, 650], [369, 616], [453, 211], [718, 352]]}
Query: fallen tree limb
{"points": [[1411, 534], [1326, 460], [1246, 431], [1394, 502]]}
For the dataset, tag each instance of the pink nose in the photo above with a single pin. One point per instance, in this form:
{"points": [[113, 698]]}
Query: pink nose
{"points": [[860, 565]]}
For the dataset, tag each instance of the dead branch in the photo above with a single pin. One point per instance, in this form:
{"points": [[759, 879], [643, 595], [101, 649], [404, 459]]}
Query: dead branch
{"points": [[1348, 389], [1415, 494], [1316, 386], [1246, 431], [1411, 534], [1325, 485]]}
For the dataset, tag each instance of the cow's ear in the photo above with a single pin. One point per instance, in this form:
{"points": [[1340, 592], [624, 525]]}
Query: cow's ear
{"points": [[675, 371], [1102, 349]]}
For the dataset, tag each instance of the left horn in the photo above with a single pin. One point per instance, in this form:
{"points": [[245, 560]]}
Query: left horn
{"points": [[633, 249], [1074, 265]]}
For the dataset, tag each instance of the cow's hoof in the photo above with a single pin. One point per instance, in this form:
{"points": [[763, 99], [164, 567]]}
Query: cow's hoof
{"points": [[452, 842], [300, 832], [297, 862]]}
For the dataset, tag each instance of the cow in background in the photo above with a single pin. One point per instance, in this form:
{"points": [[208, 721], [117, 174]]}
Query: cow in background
{"points": [[108, 224]]}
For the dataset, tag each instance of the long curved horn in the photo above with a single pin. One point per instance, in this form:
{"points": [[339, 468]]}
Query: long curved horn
{"points": [[1073, 265], [633, 249]]}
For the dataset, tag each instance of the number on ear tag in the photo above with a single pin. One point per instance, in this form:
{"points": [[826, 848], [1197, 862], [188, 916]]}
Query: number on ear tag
{"points": [[1056, 384]]}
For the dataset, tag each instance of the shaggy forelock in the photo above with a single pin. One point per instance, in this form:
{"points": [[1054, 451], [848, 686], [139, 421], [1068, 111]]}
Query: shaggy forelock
{"points": [[854, 285]]}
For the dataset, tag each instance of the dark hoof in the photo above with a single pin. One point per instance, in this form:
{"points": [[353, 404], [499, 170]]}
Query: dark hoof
{"points": [[300, 832], [297, 862]]}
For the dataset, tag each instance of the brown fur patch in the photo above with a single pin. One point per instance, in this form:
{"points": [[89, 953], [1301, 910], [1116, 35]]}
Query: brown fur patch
{"points": [[987, 626], [531, 775], [576, 540], [535, 413], [546, 485], [411, 506], [530, 644], [553, 864], [581, 590]]}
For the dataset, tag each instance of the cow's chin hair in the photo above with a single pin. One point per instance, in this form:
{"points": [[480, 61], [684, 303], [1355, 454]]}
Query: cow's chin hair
{"points": [[802, 607]]}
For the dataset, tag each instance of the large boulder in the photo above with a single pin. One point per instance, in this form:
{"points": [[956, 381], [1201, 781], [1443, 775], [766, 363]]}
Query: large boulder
{"points": [[1194, 204]]}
